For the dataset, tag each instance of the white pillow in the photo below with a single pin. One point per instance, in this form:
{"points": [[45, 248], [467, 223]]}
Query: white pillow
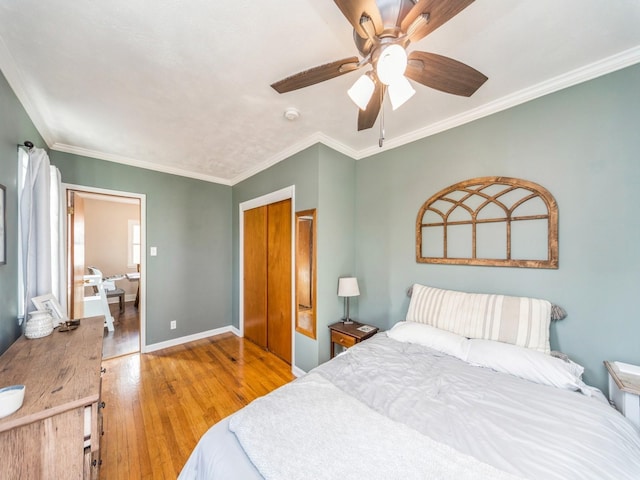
{"points": [[520, 321], [432, 337], [528, 364]]}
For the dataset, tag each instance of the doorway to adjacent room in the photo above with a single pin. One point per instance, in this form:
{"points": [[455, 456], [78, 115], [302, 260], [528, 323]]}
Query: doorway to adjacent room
{"points": [[105, 231]]}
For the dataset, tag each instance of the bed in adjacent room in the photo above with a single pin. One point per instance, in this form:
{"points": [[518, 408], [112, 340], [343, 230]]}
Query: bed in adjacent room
{"points": [[422, 401]]}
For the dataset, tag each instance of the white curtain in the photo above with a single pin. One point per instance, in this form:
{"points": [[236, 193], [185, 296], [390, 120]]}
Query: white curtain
{"points": [[41, 231], [58, 245]]}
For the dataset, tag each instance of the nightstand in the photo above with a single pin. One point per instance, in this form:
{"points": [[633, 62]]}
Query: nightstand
{"points": [[348, 334], [624, 389]]}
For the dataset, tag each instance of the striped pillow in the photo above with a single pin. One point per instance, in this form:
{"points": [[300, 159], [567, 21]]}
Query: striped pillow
{"points": [[520, 321]]}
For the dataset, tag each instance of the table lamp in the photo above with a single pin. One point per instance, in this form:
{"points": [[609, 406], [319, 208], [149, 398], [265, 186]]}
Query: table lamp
{"points": [[348, 287]]}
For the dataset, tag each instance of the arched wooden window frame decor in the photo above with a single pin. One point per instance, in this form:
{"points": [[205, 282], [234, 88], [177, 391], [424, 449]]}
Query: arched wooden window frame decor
{"points": [[459, 196]]}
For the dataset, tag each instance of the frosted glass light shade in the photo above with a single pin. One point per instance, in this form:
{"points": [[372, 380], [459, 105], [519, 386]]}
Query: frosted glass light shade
{"points": [[391, 64], [400, 91], [361, 91], [348, 287]]}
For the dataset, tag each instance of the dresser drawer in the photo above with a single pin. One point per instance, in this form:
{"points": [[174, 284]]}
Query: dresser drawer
{"points": [[342, 339]]}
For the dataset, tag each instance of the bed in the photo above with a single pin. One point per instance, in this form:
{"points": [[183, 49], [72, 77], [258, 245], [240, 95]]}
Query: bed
{"points": [[421, 401]]}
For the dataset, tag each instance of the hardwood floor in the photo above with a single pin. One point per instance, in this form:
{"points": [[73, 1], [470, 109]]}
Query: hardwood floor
{"points": [[125, 338], [159, 404]]}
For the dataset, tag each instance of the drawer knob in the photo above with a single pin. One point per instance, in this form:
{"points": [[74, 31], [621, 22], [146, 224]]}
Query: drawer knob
{"points": [[102, 405], [103, 370]]}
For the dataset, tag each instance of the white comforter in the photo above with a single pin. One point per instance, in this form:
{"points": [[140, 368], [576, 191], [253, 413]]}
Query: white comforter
{"points": [[528, 430], [314, 418]]}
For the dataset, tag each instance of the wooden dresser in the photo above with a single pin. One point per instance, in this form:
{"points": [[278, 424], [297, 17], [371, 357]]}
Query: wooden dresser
{"points": [[56, 433]]}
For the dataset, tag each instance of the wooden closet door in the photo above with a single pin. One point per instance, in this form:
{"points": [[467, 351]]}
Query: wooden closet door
{"points": [[255, 275], [279, 324]]}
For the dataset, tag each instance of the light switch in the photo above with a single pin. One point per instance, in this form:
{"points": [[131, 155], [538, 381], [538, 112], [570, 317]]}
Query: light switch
{"points": [[153, 251]]}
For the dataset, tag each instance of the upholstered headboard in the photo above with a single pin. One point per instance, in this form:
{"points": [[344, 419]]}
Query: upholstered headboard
{"points": [[520, 321]]}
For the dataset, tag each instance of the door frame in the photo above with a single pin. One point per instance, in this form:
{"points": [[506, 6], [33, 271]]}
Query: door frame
{"points": [[142, 306], [273, 197]]}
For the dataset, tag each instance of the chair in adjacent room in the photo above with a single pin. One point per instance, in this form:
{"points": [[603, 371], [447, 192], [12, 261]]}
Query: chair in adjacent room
{"points": [[96, 305], [113, 292]]}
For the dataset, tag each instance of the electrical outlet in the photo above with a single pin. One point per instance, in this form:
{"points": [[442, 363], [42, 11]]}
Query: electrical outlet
{"points": [[173, 325]]}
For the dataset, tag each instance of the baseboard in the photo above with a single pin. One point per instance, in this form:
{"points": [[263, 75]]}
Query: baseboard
{"points": [[190, 338], [298, 372]]}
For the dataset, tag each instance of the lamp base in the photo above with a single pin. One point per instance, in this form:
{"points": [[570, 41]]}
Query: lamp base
{"points": [[347, 321]]}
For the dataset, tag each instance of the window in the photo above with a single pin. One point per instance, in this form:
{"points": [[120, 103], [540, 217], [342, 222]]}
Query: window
{"points": [[493, 221], [134, 244]]}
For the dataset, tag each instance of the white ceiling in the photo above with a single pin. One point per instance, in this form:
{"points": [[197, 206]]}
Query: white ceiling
{"points": [[183, 87]]}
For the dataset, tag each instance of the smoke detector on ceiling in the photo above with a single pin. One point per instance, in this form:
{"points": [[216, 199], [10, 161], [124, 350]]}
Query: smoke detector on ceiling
{"points": [[291, 114]]}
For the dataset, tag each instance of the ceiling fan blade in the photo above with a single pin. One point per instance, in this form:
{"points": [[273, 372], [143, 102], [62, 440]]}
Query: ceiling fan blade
{"points": [[367, 118], [444, 74], [316, 75], [353, 11], [439, 11]]}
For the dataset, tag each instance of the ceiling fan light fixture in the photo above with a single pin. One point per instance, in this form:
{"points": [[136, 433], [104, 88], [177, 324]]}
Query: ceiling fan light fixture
{"points": [[361, 91], [382, 31], [391, 63], [400, 91]]}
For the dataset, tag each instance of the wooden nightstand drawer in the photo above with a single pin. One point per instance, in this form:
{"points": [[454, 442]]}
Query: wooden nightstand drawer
{"points": [[342, 339], [348, 334]]}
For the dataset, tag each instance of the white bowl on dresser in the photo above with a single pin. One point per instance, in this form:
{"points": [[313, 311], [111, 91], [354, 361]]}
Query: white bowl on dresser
{"points": [[11, 399]]}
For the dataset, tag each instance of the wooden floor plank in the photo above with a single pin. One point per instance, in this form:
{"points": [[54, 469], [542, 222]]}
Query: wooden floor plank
{"points": [[159, 404], [125, 338]]}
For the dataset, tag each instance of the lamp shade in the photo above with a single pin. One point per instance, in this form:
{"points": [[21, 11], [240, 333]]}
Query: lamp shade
{"points": [[348, 287], [361, 91], [391, 64], [400, 91]]}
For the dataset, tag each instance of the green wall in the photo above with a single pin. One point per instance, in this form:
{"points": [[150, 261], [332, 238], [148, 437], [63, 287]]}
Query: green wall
{"points": [[300, 170], [15, 128], [336, 241], [582, 144], [323, 179], [189, 222]]}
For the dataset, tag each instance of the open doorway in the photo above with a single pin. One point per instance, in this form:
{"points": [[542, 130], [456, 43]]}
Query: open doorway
{"points": [[105, 250]]}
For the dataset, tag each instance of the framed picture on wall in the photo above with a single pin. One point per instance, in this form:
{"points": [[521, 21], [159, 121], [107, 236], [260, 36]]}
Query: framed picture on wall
{"points": [[3, 231]]}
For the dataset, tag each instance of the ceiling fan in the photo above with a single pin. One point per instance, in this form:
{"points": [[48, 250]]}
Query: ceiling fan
{"points": [[382, 31]]}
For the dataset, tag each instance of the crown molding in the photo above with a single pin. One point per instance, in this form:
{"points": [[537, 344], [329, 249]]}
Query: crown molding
{"points": [[597, 69], [61, 147], [608, 65], [317, 137]]}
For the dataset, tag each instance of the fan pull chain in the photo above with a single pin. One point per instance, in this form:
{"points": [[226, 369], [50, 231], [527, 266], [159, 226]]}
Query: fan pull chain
{"points": [[381, 139]]}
